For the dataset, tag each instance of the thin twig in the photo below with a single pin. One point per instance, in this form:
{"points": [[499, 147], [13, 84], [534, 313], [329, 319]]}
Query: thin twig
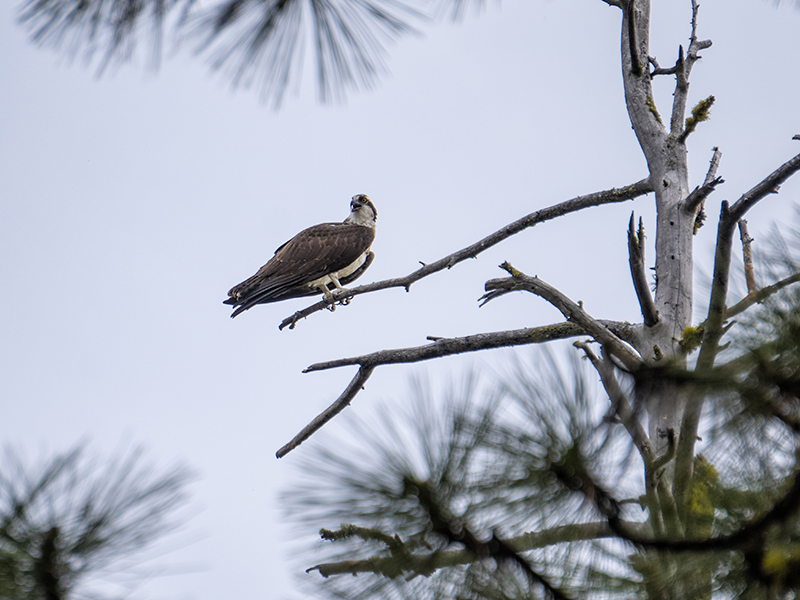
{"points": [[639, 275], [760, 295], [747, 257], [695, 202], [623, 194], [657, 70], [683, 71], [334, 409], [572, 311], [713, 165], [669, 453]]}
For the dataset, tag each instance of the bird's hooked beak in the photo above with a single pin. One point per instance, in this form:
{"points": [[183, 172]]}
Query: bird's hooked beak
{"points": [[357, 202], [360, 200]]}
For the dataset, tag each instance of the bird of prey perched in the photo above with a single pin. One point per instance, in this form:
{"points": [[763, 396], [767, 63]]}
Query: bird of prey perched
{"points": [[325, 255]]}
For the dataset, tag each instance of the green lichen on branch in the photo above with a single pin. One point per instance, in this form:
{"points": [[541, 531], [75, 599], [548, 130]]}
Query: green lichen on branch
{"points": [[699, 220], [692, 337], [701, 112], [782, 565], [506, 266], [701, 507], [651, 104]]}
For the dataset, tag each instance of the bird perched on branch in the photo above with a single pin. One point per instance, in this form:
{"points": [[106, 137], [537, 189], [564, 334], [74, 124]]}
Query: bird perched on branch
{"points": [[317, 260]]}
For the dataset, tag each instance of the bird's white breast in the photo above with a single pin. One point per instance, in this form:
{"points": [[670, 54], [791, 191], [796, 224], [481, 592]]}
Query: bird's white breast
{"points": [[340, 274]]}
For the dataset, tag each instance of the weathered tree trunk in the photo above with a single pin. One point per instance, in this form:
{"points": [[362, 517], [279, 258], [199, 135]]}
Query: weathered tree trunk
{"points": [[667, 162]]}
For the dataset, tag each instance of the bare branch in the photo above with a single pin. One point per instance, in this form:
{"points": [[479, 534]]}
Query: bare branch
{"points": [[629, 192], [699, 194], [441, 347], [770, 185], [713, 325], [747, 257], [636, 63], [701, 112], [713, 166], [639, 275], [573, 312], [473, 343], [657, 70], [683, 71], [665, 458], [760, 295], [695, 202], [728, 218], [680, 72], [619, 403], [334, 409]]}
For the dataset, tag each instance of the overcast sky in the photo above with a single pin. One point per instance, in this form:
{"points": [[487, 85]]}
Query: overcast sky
{"points": [[130, 205]]}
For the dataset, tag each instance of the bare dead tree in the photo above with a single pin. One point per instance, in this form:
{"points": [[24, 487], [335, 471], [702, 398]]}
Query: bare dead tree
{"points": [[661, 410]]}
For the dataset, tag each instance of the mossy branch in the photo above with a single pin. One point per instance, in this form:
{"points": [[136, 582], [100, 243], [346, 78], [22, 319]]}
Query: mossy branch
{"points": [[701, 112]]}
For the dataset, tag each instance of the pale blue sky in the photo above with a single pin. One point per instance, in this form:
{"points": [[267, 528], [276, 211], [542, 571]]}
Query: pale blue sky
{"points": [[130, 205]]}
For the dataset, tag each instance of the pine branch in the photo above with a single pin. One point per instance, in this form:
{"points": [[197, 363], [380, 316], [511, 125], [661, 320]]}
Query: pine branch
{"points": [[427, 563], [575, 477], [446, 525], [613, 195]]}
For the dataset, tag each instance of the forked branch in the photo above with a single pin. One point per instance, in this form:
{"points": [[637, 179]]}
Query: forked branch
{"points": [[729, 217], [713, 327], [440, 348], [623, 194], [760, 295], [519, 281], [683, 70]]}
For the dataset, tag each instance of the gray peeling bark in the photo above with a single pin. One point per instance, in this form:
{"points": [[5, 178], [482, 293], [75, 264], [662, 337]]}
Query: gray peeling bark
{"points": [[665, 152]]}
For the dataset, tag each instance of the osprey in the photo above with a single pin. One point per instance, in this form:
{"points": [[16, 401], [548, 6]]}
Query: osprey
{"points": [[325, 255]]}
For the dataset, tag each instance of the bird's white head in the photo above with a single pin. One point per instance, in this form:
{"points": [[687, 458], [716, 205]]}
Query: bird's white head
{"points": [[362, 211]]}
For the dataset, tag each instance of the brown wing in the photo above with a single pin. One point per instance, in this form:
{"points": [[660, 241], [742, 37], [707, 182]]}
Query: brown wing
{"points": [[311, 254]]}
